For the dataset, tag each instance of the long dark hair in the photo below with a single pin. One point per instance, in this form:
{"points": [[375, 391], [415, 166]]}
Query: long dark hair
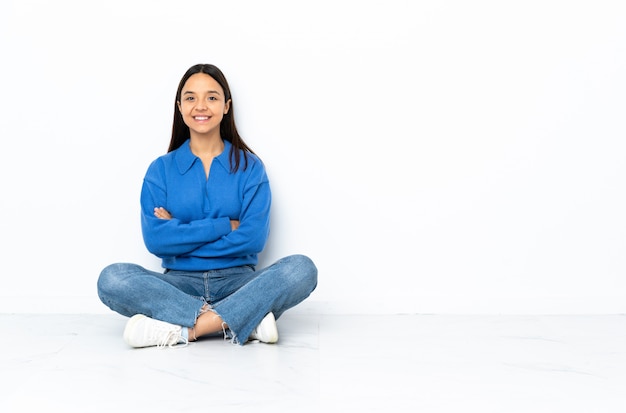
{"points": [[228, 129]]}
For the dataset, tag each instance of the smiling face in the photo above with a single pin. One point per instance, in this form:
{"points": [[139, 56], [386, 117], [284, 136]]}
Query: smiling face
{"points": [[203, 105]]}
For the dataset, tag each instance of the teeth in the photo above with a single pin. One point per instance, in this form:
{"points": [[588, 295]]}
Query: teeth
{"points": [[201, 117]]}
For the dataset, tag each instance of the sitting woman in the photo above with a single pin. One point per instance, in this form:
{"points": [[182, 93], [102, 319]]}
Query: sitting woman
{"points": [[205, 212]]}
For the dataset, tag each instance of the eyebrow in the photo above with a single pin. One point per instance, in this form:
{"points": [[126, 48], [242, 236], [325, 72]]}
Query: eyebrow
{"points": [[208, 91]]}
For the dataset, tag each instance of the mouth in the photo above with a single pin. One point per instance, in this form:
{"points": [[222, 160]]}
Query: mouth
{"points": [[201, 118]]}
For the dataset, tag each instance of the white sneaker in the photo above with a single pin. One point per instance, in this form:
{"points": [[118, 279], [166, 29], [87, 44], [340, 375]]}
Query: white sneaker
{"points": [[143, 331], [266, 331]]}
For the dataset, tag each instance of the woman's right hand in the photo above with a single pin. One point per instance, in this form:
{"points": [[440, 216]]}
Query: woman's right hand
{"points": [[162, 213], [234, 224]]}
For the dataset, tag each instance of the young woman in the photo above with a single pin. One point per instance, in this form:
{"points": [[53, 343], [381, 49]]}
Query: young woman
{"points": [[205, 209]]}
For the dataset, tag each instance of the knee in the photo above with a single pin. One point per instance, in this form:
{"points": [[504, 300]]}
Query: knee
{"points": [[111, 278], [304, 269]]}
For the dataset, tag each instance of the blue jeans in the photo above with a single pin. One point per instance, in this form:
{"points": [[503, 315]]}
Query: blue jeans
{"points": [[241, 296]]}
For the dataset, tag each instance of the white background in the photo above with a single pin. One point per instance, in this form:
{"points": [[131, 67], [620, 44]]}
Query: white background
{"points": [[430, 156]]}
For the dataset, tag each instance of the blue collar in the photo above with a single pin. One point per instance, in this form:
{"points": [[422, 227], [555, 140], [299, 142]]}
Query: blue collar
{"points": [[185, 158]]}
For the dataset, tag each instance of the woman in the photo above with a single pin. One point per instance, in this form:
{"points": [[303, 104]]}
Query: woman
{"points": [[205, 209]]}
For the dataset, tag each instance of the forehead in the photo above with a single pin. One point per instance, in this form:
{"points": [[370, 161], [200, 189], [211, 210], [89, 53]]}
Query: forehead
{"points": [[200, 83]]}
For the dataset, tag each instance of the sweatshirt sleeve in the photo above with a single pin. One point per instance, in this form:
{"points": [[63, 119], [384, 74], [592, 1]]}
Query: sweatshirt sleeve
{"points": [[172, 237]]}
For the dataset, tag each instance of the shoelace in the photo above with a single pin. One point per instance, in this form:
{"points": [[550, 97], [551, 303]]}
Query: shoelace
{"points": [[171, 339]]}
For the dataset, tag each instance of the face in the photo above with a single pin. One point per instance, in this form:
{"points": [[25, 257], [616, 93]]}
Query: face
{"points": [[203, 105]]}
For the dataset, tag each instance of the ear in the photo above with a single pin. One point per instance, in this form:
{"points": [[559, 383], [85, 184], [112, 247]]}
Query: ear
{"points": [[179, 107], [227, 107]]}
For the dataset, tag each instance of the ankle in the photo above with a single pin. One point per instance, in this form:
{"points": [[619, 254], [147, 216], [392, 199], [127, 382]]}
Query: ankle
{"points": [[191, 333]]}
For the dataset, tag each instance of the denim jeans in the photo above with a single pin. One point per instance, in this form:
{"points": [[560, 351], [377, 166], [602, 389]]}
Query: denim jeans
{"points": [[241, 296]]}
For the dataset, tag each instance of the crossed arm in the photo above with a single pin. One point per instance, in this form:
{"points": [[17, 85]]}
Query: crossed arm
{"points": [[162, 213]]}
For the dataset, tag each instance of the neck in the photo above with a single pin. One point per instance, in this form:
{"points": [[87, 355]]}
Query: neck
{"points": [[206, 145]]}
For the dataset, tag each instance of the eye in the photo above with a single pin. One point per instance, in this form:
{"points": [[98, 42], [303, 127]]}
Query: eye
{"points": [[212, 98], [189, 98]]}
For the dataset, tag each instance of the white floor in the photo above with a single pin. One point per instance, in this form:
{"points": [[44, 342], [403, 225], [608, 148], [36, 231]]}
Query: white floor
{"points": [[412, 363]]}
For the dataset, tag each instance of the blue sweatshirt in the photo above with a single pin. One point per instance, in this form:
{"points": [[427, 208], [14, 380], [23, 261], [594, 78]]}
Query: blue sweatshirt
{"points": [[199, 236]]}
